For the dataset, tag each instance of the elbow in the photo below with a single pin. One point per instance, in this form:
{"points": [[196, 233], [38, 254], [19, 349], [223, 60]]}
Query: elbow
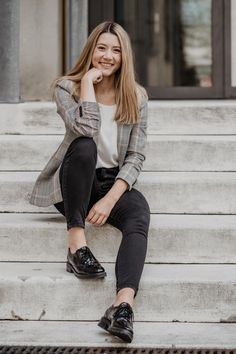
{"points": [[85, 133], [90, 133], [85, 130]]}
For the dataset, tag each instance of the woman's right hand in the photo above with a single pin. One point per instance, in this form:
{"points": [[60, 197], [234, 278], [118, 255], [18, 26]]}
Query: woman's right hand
{"points": [[95, 75]]}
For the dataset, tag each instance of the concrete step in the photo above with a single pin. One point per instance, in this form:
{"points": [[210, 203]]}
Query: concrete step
{"points": [[172, 239], [195, 293], [166, 192], [146, 335], [165, 117], [164, 153], [30, 118], [191, 153], [192, 117]]}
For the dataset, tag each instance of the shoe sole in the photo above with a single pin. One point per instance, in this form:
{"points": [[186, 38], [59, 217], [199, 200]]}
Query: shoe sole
{"points": [[121, 333], [104, 323], [125, 335], [70, 269]]}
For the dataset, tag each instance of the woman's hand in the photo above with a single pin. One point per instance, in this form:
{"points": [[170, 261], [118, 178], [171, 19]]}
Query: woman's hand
{"points": [[87, 92], [95, 75], [100, 211]]}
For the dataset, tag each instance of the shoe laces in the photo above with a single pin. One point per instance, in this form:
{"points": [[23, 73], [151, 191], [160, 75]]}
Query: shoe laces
{"points": [[124, 310], [87, 257]]}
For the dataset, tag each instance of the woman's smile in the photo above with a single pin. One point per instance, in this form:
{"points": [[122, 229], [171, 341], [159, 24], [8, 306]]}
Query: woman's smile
{"points": [[107, 54], [107, 64]]}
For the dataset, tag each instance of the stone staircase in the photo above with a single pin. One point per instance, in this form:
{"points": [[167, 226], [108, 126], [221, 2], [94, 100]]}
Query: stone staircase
{"points": [[187, 295]]}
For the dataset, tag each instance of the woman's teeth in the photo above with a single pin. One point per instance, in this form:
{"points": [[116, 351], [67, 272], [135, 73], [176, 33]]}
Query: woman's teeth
{"points": [[106, 65]]}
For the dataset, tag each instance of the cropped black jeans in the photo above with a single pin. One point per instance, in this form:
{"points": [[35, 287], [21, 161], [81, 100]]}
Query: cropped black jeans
{"points": [[83, 185]]}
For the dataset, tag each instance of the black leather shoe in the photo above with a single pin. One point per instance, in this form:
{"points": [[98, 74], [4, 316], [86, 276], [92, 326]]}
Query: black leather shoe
{"points": [[83, 264], [118, 320]]}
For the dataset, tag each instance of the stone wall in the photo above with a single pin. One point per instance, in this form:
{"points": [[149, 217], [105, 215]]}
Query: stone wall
{"points": [[40, 47]]}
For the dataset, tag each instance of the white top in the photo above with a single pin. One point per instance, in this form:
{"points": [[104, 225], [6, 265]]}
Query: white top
{"points": [[107, 138]]}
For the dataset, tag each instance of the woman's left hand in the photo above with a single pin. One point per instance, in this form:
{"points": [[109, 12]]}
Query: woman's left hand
{"points": [[100, 211]]}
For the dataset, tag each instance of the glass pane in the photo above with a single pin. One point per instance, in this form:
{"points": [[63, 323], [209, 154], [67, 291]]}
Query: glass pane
{"points": [[171, 40]]}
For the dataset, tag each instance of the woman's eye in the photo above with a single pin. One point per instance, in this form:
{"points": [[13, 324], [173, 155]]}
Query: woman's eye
{"points": [[115, 50]]}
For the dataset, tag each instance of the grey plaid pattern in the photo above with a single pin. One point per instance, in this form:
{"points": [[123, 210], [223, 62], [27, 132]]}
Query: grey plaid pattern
{"points": [[83, 119]]}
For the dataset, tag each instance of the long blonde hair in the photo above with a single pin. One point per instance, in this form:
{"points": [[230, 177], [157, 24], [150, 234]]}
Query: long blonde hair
{"points": [[128, 92]]}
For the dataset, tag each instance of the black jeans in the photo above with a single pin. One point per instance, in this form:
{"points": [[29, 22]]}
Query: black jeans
{"points": [[83, 185]]}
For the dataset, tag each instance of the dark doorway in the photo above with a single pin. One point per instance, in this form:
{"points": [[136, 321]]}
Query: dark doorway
{"points": [[179, 45]]}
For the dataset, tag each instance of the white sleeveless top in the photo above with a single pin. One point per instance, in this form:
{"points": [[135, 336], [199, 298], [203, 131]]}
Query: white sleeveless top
{"points": [[107, 138]]}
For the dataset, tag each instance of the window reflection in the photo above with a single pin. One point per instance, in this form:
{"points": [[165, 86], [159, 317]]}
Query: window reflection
{"points": [[171, 40]]}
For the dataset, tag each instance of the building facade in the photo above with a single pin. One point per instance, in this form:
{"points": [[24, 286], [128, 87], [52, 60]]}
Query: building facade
{"points": [[183, 49]]}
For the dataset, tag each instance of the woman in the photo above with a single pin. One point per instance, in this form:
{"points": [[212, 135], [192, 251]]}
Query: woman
{"points": [[93, 173]]}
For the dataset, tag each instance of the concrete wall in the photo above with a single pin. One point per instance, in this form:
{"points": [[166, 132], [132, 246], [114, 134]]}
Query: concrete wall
{"points": [[76, 30], [9, 51], [233, 41], [40, 47]]}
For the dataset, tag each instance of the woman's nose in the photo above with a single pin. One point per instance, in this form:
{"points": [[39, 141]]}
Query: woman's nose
{"points": [[108, 54]]}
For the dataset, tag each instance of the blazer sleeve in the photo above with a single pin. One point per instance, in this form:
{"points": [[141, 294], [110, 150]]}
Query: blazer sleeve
{"points": [[135, 154], [81, 117]]}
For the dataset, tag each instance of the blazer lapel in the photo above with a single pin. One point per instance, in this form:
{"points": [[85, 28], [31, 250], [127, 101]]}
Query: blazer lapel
{"points": [[123, 132]]}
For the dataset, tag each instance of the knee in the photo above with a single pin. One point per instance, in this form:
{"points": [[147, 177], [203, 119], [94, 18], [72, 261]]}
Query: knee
{"points": [[138, 224], [83, 147], [139, 205], [138, 215]]}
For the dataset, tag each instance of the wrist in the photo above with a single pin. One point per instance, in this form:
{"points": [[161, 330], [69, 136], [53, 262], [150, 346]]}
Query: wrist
{"points": [[111, 199], [87, 90], [86, 80]]}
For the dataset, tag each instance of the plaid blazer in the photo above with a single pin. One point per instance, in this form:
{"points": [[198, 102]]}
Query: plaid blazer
{"points": [[83, 119]]}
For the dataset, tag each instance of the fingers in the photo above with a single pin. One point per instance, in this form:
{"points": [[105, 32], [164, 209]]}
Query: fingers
{"points": [[95, 74], [101, 221], [96, 218], [91, 215], [98, 79]]}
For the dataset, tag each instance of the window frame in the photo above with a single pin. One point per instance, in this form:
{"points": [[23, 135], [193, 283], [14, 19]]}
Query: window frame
{"points": [[102, 10]]}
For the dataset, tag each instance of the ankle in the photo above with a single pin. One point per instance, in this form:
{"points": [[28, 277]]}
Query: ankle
{"points": [[76, 239], [117, 302], [125, 295], [74, 248]]}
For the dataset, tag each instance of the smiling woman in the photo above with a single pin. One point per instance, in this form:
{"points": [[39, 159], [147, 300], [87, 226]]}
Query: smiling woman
{"points": [[107, 52], [92, 176], [107, 58], [128, 93]]}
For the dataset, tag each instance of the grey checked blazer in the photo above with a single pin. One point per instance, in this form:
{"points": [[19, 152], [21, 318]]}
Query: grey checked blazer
{"points": [[83, 119]]}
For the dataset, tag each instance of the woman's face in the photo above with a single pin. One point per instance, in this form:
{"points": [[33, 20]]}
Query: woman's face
{"points": [[107, 54]]}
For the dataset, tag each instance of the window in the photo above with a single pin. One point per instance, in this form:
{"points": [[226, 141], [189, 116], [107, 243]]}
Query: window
{"points": [[178, 45]]}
